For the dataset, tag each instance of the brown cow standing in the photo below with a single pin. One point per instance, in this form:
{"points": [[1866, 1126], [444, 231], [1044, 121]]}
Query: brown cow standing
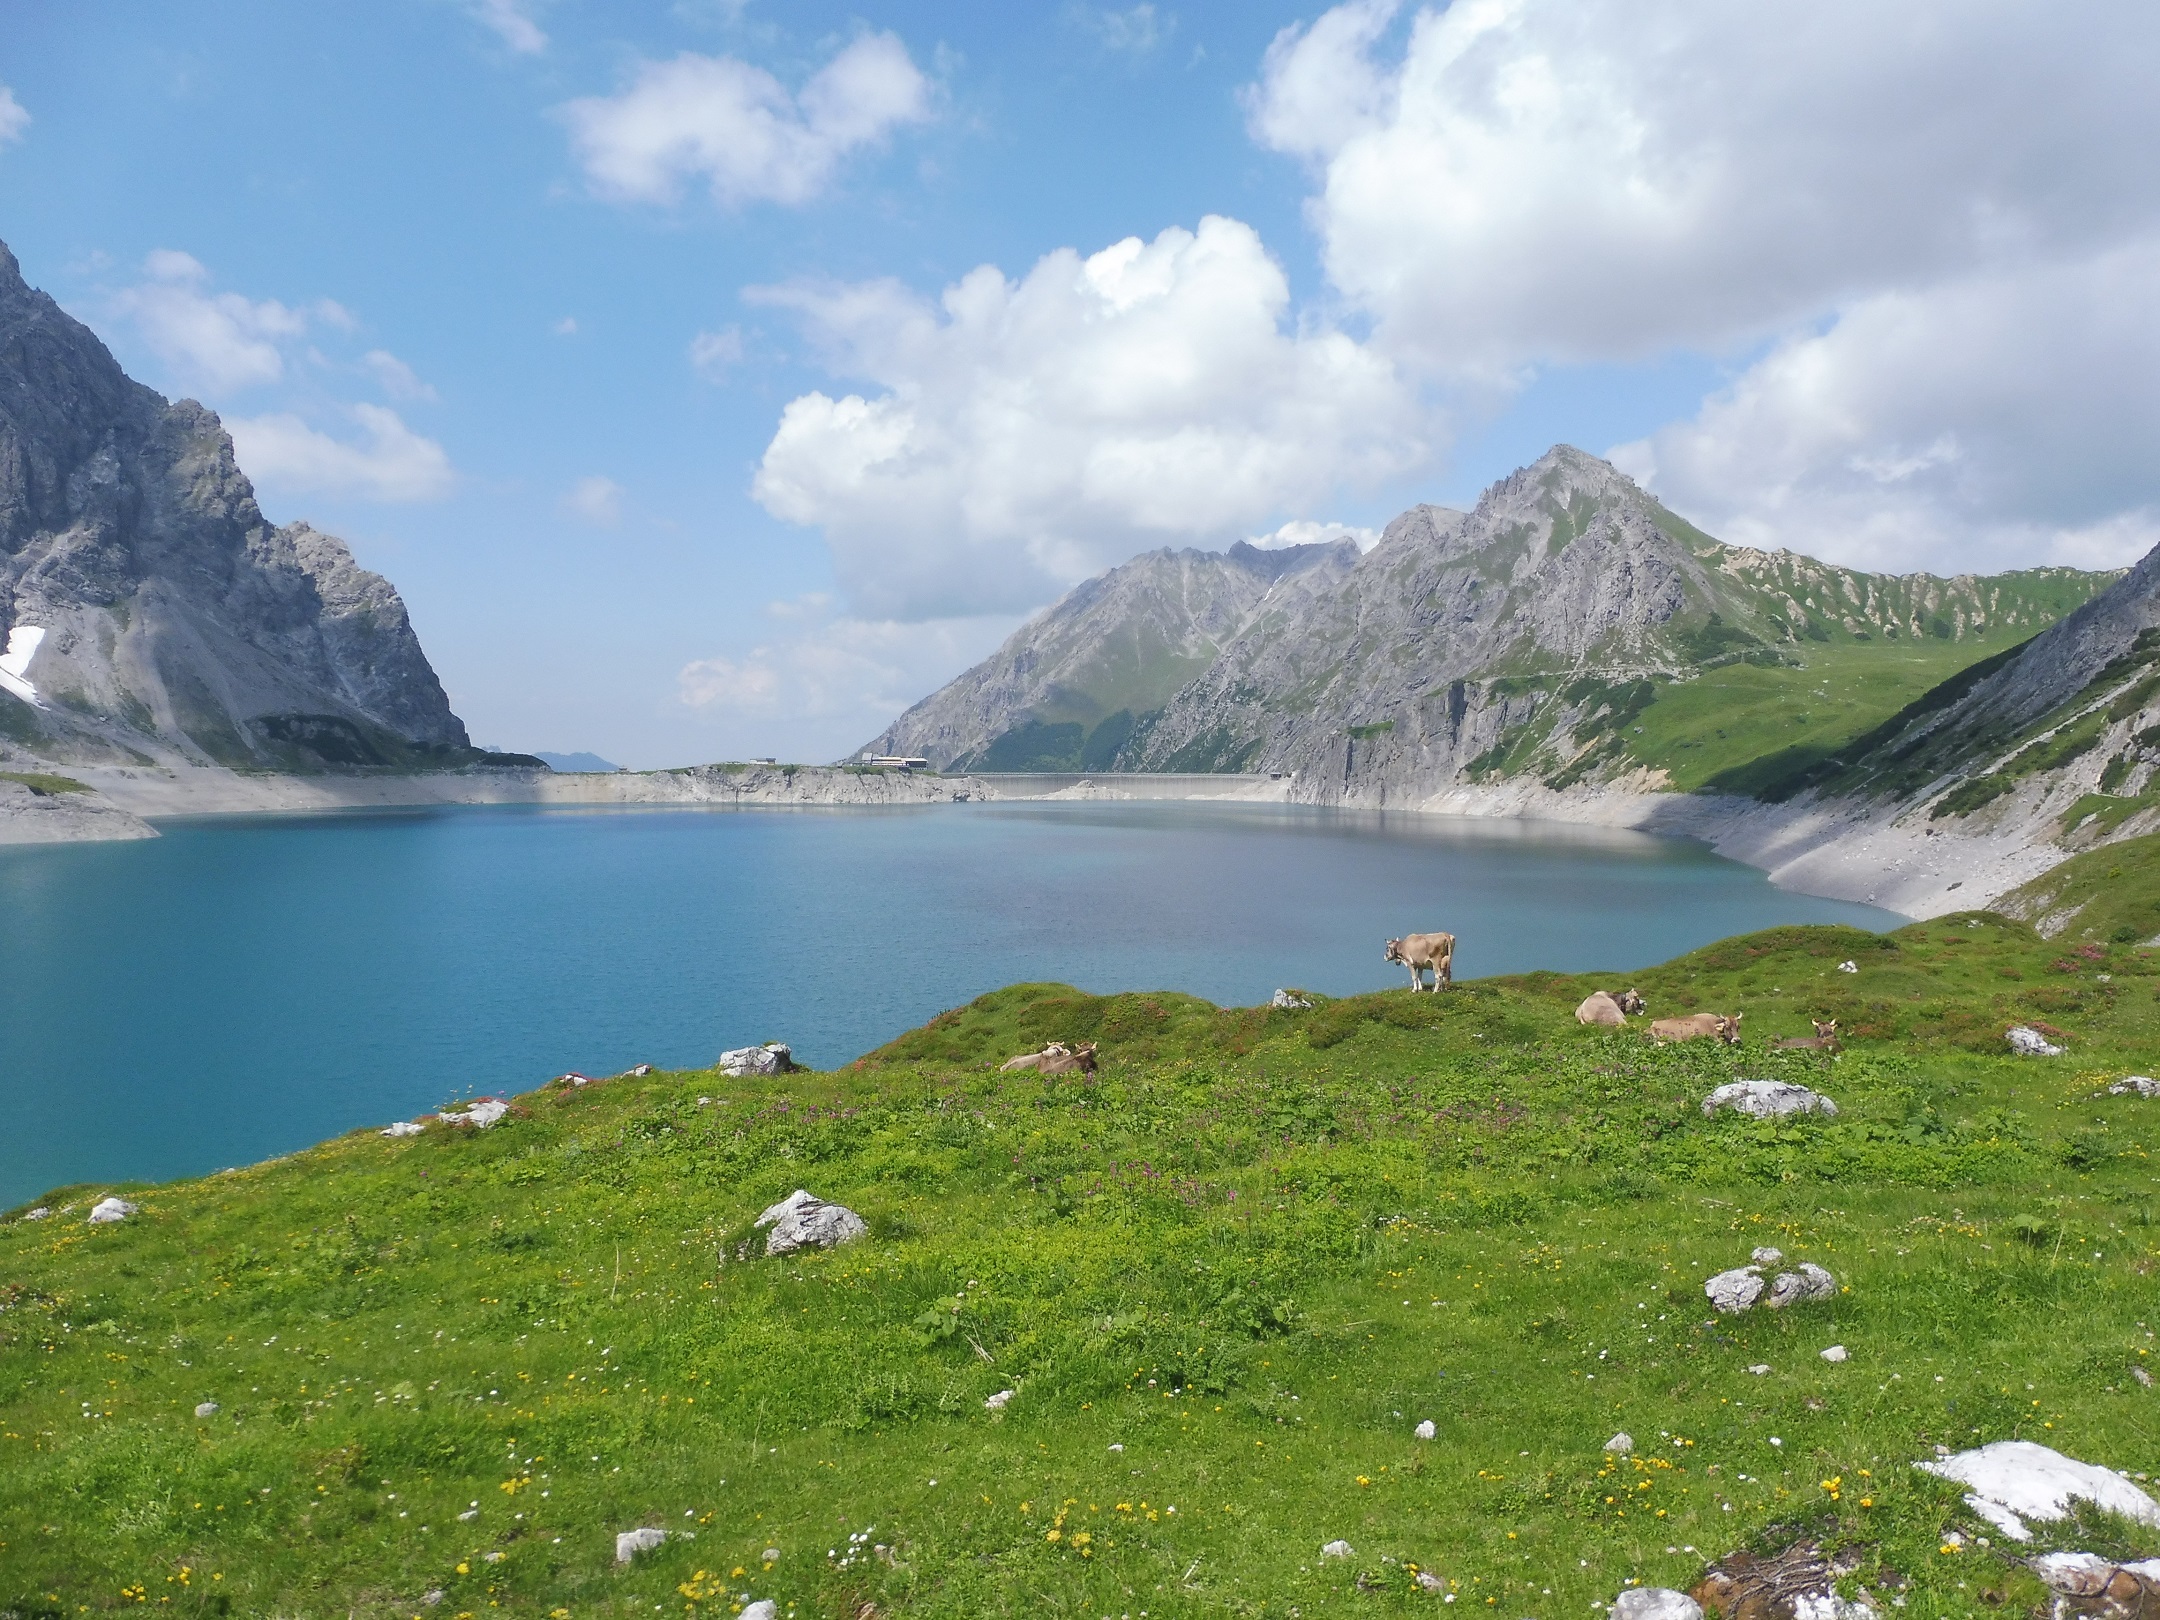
{"points": [[1417, 952], [1696, 1026], [1603, 1008]]}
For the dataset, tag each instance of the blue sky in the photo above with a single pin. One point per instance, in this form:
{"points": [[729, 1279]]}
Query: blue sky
{"points": [[648, 350]]}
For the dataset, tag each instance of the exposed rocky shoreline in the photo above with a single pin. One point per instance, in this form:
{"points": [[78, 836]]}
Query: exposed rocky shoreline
{"points": [[1843, 851]]}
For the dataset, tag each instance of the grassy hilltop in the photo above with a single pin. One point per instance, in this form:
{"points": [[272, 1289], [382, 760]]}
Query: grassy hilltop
{"points": [[1225, 1279]]}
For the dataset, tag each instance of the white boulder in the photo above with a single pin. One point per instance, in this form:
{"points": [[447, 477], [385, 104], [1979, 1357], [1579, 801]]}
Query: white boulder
{"points": [[38, 1214], [996, 1403], [1768, 1099], [632, 1542], [403, 1127], [2137, 1085], [1731, 1292], [762, 1609], [1837, 1352], [1425, 1430], [206, 1409], [1336, 1549], [803, 1221], [107, 1210], [771, 1058], [1767, 1257], [1794, 1287], [482, 1113], [1848, 967], [1621, 1444], [1289, 1001], [2030, 1043], [2014, 1480], [1655, 1603]]}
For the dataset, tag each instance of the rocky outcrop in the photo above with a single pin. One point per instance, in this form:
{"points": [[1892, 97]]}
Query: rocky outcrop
{"points": [[182, 626], [1069, 688]]}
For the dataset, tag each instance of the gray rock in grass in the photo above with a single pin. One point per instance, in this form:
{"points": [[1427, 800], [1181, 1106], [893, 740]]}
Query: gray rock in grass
{"points": [[108, 1210], [771, 1058], [2030, 1043], [632, 1542], [803, 1221], [2137, 1085], [1795, 1287], [1731, 1292], [1768, 1099]]}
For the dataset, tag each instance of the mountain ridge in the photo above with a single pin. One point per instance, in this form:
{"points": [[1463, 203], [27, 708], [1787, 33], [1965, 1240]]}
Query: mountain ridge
{"points": [[181, 625], [1536, 636]]}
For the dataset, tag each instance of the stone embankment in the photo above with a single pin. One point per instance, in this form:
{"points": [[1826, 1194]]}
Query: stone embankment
{"points": [[121, 797], [1843, 852]]}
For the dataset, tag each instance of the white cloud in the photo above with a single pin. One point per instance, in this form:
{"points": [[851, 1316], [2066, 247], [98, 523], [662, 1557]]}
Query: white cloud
{"points": [[1027, 434], [516, 30], [1990, 421], [1305, 532], [596, 500], [218, 340], [14, 117], [736, 127], [1135, 31], [847, 676], [1558, 180], [391, 463], [566, 327], [398, 380], [712, 353]]}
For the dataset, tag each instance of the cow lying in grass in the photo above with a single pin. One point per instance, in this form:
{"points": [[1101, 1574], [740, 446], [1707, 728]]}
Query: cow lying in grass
{"points": [[1603, 1008], [1417, 952], [1056, 1058], [1696, 1026], [1824, 1040]]}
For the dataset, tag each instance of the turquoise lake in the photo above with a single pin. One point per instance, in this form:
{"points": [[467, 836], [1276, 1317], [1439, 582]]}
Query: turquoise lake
{"points": [[244, 986]]}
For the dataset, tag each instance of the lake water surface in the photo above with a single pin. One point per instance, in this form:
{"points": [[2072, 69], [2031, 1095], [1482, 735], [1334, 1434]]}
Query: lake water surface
{"points": [[243, 986]]}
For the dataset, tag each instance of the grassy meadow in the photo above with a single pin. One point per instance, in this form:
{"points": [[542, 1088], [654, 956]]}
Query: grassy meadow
{"points": [[1224, 1279]]}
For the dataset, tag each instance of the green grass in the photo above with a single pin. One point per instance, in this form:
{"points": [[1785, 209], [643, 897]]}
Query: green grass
{"points": [[1742, 727], [44, 783], [1253, 1252], [2111, 893]]}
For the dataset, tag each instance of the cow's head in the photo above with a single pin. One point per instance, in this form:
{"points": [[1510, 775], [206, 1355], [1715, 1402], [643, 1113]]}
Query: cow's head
{"points": [[1631, 1002], [1729, 1028], [1394, 950], [1823, 1031]]}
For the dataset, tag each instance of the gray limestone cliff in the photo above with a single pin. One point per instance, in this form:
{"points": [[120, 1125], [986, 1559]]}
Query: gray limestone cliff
{"points": [[181, 625]]}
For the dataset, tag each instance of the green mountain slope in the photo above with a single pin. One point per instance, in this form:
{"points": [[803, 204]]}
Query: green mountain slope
{"points": [[1223, 1280]]}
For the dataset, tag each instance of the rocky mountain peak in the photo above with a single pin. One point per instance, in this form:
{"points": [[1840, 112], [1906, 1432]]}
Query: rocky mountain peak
{"points": [[181, 625]]}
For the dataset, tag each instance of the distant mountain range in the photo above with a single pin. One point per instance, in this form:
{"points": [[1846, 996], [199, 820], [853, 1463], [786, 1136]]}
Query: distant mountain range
{"points": [[1070, 690], [1570, 630], [181, 626]]}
